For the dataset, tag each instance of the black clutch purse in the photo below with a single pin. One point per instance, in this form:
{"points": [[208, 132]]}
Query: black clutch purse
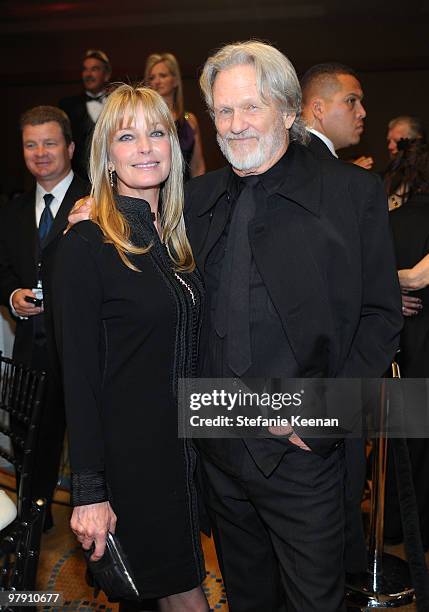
{"points": [[111, 573]]}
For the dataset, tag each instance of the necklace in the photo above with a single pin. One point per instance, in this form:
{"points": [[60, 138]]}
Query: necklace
{"points": [[185, 284]]}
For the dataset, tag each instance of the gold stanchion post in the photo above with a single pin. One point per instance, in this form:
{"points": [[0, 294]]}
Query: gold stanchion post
{"points": [[387, 582]]}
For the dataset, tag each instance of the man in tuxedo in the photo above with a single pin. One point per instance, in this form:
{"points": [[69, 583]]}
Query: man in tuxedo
{"points": [[30, 228], [332, 109], [83, 110], [300, 276], [334, 115]]}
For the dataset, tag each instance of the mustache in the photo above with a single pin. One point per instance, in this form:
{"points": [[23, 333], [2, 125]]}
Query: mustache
{"points": [[241, 136]]}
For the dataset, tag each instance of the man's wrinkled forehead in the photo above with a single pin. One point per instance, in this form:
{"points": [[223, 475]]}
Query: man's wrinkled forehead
{"points": [[236, 84]]}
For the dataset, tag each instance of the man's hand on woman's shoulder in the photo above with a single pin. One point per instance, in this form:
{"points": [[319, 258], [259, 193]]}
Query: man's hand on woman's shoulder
{"points": [[81, 211]]}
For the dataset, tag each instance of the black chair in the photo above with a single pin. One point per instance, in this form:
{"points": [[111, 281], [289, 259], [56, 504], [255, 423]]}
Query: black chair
{"points": [[21, 396]]}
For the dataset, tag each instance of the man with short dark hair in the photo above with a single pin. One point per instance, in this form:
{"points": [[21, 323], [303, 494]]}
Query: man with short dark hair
{"points": [[404, 127], [332, 109], [30, 228], [83, 110]]}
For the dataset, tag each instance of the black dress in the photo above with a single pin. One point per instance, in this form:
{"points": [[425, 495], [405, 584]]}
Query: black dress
{"points": [[186, 136], [125, 338], [410, 227]]}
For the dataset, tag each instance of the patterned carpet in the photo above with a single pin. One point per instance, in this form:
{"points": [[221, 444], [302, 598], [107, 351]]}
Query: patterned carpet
{"points": [[62, 566]]}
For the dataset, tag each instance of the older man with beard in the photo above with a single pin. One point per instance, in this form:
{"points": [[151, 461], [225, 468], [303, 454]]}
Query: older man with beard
{"points": [[298, 264], [301, 282]]}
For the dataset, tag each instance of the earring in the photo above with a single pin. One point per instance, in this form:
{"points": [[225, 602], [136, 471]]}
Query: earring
{"points": [[111, 172]]}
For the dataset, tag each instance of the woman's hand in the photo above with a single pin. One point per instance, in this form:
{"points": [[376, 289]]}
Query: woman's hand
{"points": [[415, 278], [364, 162], [92, 523]]}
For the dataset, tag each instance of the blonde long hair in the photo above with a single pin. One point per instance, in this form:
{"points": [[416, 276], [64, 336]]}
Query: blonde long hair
{"points": [[122, 106], [173, 65]]}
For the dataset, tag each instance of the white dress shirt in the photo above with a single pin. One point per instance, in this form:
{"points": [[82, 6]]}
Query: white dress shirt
{"points": [[94, 107], [59, 191], [325, 139]]}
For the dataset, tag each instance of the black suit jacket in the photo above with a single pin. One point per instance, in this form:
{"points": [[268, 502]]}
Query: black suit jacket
{"points": [[82, 129], [20, 254], [325, 254], [354, 450], [319, 148]]}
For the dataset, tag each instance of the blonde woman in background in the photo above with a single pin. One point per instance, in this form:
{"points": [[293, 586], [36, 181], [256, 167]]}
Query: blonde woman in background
{"points": [[162, 73]]}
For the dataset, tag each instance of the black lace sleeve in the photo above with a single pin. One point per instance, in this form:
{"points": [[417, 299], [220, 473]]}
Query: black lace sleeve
{"points": [[88, 487], [77, 299]]}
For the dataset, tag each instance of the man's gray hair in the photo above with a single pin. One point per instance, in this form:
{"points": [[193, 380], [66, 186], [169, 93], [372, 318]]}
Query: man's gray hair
{"points": [[276, 78], [415, 126]]}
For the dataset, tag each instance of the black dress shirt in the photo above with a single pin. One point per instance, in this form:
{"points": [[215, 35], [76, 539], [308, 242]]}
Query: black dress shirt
{"points": [[271, 352]]}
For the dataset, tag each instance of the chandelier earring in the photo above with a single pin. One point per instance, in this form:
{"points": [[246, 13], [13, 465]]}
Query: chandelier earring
{"points": [[111, 177]]}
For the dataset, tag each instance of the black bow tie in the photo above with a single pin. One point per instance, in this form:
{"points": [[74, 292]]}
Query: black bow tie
{"points": [[99, 98]]}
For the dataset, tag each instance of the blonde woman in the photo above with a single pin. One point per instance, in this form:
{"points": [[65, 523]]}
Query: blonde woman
{"points": [[162, 73], [127, 303]]}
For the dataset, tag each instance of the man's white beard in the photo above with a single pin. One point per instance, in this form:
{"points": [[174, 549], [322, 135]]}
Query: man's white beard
{"points": [[266, 147]]}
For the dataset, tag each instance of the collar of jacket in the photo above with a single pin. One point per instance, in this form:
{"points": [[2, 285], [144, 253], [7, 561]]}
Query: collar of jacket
{"points": [[302, 181]]}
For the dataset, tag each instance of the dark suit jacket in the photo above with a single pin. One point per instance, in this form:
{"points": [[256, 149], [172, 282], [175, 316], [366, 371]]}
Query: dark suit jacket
{"points": [[82, 129], [324, 252], [19, 255], [319, 148], [355, 554], [34, 340]]}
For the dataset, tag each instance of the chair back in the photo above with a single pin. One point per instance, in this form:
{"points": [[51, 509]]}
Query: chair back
{"points": [[21, 395]]}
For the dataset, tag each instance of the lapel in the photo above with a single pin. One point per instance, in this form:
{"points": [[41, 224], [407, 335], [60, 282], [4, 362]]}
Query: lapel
{"points": [[29, 238], [81, 112], [215, 214], [85, 116], [319, 148], [283, 246], [73, 193]]}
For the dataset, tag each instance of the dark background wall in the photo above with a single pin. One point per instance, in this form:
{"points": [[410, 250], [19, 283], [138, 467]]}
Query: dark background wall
{"points": [[41, 44]]}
